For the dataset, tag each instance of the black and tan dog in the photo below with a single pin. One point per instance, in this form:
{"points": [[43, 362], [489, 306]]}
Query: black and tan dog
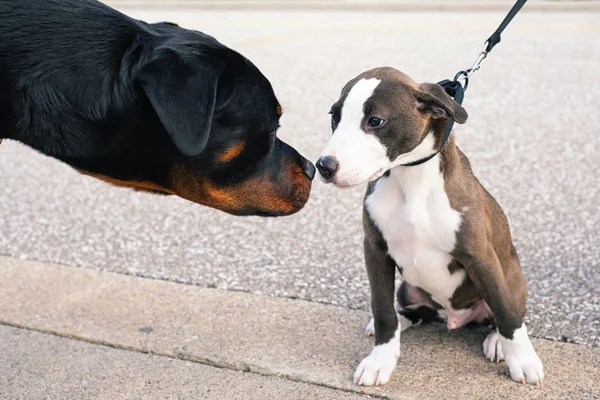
{"points": [[154, 107], [434, 221]]}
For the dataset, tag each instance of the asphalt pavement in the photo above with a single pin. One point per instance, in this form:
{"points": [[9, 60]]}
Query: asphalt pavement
{"points": [[531, 138]]}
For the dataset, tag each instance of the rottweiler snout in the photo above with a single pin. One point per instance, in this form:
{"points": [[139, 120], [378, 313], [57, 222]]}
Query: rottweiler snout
{"points": [[308, 168]]}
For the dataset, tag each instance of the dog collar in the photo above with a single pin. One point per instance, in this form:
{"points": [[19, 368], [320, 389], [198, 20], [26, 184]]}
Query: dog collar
{"points": [[456, 90]]}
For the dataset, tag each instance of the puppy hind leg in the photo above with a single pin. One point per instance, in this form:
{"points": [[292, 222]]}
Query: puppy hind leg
{"points": [[406, 319], [417, 316], [415, 308]]}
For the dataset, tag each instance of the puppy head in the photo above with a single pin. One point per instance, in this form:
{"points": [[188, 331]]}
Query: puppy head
{"points": [[383, 119], [211, 130]]}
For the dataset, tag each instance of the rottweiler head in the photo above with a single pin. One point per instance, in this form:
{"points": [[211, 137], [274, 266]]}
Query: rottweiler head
{"points": [[206, 129]]}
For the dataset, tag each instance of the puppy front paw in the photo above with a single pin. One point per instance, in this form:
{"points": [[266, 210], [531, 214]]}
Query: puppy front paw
{"points": [[492, 347], [377, 368], [525, 366], [375, 371], [523, 363]]}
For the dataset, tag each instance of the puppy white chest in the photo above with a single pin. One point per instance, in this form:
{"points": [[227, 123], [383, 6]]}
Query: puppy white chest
{"points": [[411, 209]]}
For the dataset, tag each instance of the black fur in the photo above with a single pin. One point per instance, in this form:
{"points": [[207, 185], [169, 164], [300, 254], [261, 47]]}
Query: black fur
{"points": [[122, 99]]}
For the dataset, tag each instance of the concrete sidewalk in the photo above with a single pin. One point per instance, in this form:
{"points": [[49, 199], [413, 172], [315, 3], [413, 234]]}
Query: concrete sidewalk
{"points": [[297, 341], [41, 366]]}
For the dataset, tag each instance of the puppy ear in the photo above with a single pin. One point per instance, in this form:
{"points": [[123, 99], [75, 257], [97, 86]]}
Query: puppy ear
{"points": [[183, 94], [433, 99]]}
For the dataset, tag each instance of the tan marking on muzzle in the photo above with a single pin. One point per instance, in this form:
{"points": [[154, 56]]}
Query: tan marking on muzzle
{"points": [[254, 193]]}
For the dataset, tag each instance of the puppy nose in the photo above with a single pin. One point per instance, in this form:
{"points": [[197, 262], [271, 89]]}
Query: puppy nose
{"points": [[327, 166], [308, 168]]}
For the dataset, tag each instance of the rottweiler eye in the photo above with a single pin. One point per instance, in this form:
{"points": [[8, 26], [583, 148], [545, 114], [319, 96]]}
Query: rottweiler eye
{"points": [[374, 122]]}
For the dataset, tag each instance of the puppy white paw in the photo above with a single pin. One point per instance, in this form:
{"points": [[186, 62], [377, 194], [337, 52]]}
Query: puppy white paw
{"points": [[492, 347], [523, 363], [370, 328], [374, 370], [525, 366], [377, 368]]}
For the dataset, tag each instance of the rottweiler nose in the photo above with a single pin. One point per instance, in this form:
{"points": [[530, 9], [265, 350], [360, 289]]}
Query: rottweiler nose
{"points": [[308, 168], [327, 166]]}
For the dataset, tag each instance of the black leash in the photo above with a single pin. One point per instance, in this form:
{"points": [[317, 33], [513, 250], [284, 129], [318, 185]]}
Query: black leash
{"points": [[495, 38], [455, 88]]}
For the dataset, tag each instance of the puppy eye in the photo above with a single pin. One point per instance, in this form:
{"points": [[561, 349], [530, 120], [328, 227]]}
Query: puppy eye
{"points": [[375, 122]]}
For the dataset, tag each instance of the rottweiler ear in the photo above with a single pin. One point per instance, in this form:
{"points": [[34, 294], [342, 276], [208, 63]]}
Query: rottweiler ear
{"points": [[433, 99], [183, 94]]}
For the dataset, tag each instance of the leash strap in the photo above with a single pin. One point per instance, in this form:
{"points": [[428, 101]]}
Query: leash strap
{"points": [[491, 42], [495, 38], [456, 90]]}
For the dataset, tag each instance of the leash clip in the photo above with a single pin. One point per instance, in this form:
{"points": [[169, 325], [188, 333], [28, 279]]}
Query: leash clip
{"points": [[466, 74], [477, 64]]}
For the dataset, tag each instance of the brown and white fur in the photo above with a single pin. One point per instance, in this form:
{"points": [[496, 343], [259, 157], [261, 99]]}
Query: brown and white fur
{"points": [[435, 222]]}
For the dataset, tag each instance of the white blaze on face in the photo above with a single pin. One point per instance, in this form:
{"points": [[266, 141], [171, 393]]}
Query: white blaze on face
{"points": [[360, 155]]}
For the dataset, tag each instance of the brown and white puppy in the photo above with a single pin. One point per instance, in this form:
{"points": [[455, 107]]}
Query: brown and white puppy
{"points": [[446, 234]]}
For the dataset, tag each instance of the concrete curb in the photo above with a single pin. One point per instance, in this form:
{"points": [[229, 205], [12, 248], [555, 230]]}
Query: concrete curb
{"points": [[35, 365], [302, 341], [361, 5]]}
